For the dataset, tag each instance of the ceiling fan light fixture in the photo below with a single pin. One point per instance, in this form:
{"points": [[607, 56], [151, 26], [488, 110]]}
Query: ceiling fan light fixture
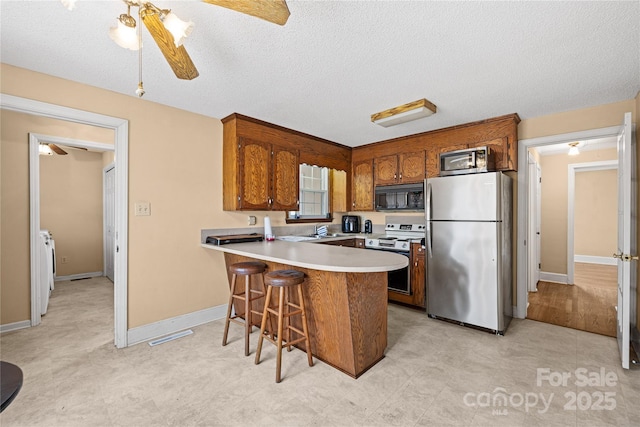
{"points": [[45, 150], [573, 149], [124, 35], [69, 4], [178, 28]]}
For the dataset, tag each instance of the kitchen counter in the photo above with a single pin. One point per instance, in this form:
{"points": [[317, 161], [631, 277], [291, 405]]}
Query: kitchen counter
{"points": [[317, 257], [345, 293]]}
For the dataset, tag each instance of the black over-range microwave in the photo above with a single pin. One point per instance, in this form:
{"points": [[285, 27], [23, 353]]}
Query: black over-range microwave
{"points": [[401, 197]]}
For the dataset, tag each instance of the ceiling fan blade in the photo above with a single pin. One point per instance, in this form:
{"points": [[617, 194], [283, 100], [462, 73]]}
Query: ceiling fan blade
{"points": [[177, 57], [57, 149], [275, 11]]}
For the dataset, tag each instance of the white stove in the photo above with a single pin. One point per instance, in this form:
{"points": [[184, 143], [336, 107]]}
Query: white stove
{"points": [[398, 235]]}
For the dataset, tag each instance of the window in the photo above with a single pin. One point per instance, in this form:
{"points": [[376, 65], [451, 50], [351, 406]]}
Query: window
{"points": [[314, 193]]}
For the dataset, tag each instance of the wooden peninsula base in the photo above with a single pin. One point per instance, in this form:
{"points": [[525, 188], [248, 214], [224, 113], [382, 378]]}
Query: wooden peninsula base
{"points": [[347, 314]]}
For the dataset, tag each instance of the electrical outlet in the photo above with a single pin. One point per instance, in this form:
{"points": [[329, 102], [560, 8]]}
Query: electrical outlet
{"points": [[143, 208], [64, 259], [252, 220]]}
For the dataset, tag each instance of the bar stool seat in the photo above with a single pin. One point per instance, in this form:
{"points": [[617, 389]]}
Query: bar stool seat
{"points": [[284, 280], [247, 269]]}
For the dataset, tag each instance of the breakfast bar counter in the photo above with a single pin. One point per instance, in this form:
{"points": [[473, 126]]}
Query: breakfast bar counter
{"points": [[345, 292]]}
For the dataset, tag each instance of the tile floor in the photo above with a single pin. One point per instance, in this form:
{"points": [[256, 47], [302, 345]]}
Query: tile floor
{"points": [[434, 373]]}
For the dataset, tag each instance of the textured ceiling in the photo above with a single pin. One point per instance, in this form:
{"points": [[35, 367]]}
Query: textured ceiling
{"points": [[335, 63]]}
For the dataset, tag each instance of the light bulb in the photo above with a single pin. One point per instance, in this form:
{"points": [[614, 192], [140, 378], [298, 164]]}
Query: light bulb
{"points": [[124, 36], [178, 28]]}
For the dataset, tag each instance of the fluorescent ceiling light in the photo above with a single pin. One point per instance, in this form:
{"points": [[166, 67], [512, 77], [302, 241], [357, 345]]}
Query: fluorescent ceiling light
{"points": [[404, 113]]}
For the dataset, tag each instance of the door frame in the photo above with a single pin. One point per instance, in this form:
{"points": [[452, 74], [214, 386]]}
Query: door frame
{"points": [[523, 201], [121, 142], [105, 252], [571, 194], [533, 223]]}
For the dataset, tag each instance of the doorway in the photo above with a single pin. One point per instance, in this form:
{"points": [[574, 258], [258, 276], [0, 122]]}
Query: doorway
{"points": [[120, 129], [525, 246]]}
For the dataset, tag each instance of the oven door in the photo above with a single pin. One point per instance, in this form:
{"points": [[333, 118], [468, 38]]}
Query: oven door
{"points": [[399, 280]]}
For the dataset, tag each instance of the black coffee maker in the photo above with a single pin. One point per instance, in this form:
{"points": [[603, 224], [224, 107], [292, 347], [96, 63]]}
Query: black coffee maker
{"points": [[350, 224]]}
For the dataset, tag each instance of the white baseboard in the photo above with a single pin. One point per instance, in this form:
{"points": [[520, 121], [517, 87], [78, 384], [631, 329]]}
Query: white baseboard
{"points": [[17, 325], [79, 276], [590, 259], [175, 324], [553, 277]]}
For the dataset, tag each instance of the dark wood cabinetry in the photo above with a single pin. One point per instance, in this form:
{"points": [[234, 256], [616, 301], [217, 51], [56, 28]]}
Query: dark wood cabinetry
{"points": [[417, 270], [351, 243], [404, 168], [362, 191], [500, 133], [268, 176], [261, 163]]}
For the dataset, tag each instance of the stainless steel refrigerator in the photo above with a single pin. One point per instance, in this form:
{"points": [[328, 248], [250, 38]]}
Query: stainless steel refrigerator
{"points": [[468, 241]]}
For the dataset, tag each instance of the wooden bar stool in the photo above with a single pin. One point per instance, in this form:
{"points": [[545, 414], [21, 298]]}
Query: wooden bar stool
{"points": [[246, 269], [284, 280]]}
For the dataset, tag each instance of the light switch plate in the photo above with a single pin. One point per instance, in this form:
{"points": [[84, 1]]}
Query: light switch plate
{"points": [[252, 220], [143, 208]]}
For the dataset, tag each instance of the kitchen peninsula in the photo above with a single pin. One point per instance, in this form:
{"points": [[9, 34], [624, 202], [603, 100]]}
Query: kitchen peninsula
{"points": [[345, 293]]}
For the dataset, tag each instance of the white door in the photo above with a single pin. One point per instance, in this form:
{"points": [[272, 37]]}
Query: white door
{"points": [[626, 236], [109, 221]]}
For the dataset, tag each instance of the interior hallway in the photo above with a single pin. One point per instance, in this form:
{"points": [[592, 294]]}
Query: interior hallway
{"points": [[589, 305], [74, 376]]}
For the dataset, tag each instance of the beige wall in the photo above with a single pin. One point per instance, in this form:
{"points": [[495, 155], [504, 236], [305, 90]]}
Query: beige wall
{"points": [[177, 167], [14, 203], [596, 213], [554, 205], [71, 209]]}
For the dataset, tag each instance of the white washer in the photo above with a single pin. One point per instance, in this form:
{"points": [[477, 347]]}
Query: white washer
{"points": [[46, 268]]}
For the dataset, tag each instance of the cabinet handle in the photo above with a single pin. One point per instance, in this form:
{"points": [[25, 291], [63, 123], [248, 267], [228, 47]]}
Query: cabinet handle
{"points": [[395, 176], [400, 176], [415, 264]]}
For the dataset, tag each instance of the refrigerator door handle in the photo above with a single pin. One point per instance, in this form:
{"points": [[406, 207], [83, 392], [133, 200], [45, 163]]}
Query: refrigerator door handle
{"points": [[427, 210]]}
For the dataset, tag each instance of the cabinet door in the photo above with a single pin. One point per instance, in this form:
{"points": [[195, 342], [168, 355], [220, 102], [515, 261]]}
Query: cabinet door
{"points": [[418, 270], [285, 190], [386, 170], [363, 186], [411, 167], [254, 174]]}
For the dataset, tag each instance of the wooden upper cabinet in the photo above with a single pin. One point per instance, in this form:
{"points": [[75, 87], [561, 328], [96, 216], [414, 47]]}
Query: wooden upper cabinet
{"points": [[411, 167], [386, 170], [405, 168], [268, 176], [285, 184], [255, 174], [362, 190]]}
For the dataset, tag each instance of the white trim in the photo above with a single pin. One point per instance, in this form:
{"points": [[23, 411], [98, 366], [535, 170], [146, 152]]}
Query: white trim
{"points": [[591, 259], [573, 168], [15, 326], [105, 169], [168, 326], [80, 276], [553, 277], [121, 143], [523, 205]]}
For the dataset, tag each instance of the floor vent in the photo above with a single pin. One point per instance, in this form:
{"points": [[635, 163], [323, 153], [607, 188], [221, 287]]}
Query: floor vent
{"points": [[170, 337]]}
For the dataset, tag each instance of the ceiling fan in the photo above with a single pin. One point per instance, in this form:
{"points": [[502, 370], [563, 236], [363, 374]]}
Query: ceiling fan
{"points": [[49, 148], [169, 32]]}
